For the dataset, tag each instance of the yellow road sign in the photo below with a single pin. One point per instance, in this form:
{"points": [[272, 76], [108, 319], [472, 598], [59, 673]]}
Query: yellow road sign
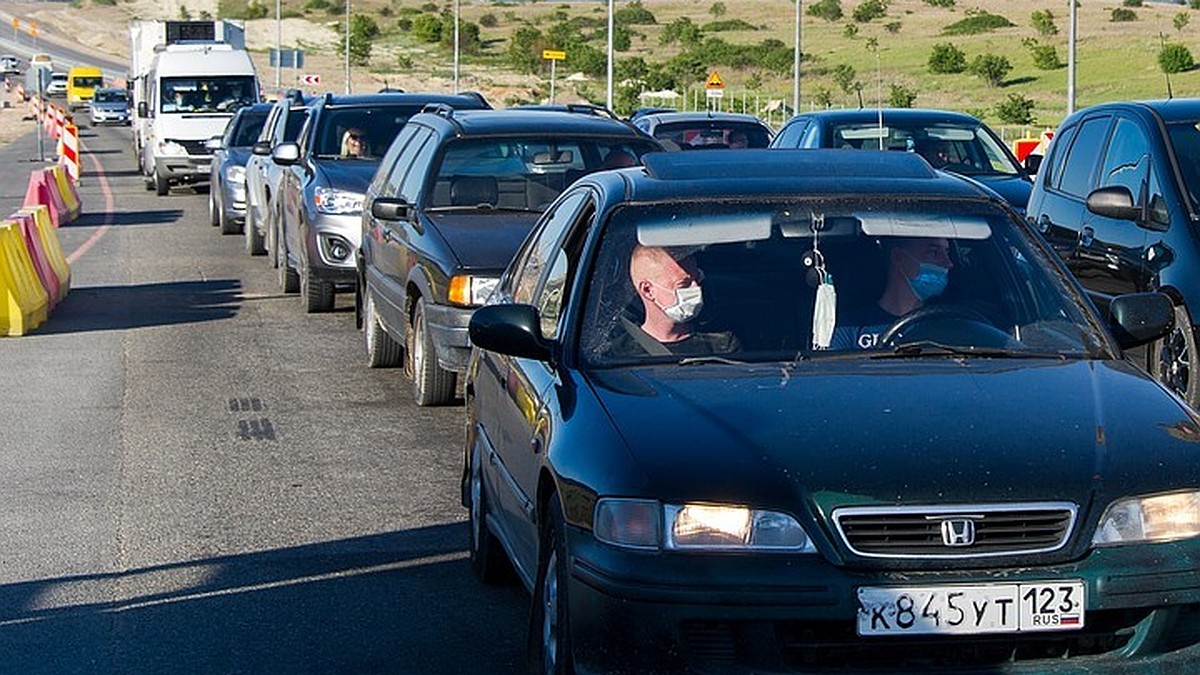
{"points": [[553, 54], [714, 81]]}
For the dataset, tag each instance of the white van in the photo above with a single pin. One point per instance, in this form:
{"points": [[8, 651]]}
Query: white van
{"points": [[192, 90]]}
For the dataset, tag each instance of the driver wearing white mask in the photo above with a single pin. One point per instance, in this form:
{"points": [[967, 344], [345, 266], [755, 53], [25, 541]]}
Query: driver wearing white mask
{"points": [[670, 290]]}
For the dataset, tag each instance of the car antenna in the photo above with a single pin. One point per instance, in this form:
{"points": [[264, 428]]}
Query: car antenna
{"points": [[1166, 73]]}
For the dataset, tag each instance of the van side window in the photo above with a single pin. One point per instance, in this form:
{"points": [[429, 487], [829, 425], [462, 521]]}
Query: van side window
{"points": [[1082, 157]]}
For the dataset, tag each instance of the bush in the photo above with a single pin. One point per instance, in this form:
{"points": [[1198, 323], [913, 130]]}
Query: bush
{"points": [[1131, 3], [718, 9], [1175, 58], [1016, 109], [682, 30], [1045, 57], [850, 31], [427, 28], [1043, 22], [946, 58], [430, 7], [468, 35], [869, 10], [727, 25], [489, 20], [1181, 20], [634, 14], [991, 68], [892, 27], [1194, 4], [106, 3], [940, 3], [1121, 14], [977, 22], [525, 50], [830, 10], [900, 96]]}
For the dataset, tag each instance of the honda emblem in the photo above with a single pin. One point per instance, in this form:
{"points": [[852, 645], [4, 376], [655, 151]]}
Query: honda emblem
{"points": [[958, 532]]}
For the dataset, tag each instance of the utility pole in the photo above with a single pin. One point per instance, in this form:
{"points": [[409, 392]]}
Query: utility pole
{"points": [[347, 46], [1071, 59], [609, 99], [796, 64], [456, 46], [278, 41]]}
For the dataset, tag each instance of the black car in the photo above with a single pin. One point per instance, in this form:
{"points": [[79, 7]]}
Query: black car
{"points": [[665, 444], [712, 130], [951, 141], [1118, 197], [454, 197], [231, 150], [325, 175]]}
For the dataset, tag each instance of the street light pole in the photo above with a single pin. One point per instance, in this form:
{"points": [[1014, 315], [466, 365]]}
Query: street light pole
{"points": [[796, 64], [1071, 60], [347, 46], [278, 41], [456, 46], [609, 100]]}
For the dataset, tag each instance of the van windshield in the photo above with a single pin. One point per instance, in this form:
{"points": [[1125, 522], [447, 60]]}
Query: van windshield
{"points": [[90, 82], [207, 94]]}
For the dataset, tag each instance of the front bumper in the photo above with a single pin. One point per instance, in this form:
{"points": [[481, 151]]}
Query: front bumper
{"points": [[184, 168], [652, 612], [448, 329], [326, 237], [109, 117]]}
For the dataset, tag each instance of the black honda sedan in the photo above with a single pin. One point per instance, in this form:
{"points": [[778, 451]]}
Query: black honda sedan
{"points": [[676, 446]]}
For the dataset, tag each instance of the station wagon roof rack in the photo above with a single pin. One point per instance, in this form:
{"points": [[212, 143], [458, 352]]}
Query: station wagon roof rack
{"points": [[440, 109]]}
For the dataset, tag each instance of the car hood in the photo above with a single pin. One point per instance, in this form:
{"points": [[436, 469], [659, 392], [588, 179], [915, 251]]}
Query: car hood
{"points": [[483, 240], [351, 175], [111, 106], [927, 431], [192, 127], [1014, 189]]}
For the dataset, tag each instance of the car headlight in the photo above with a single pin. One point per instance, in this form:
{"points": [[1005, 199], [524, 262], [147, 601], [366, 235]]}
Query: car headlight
{"points": [[337, 202], [471, 291], [171, 148], [646, 524], [235, 174], [1153, 518]]}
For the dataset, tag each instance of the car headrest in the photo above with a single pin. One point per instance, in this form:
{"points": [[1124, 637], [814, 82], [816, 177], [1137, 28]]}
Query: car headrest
{"points": [[474, 190]]}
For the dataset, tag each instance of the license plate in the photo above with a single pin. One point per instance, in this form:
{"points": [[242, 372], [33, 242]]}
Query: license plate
{"points": [[983, 608]]}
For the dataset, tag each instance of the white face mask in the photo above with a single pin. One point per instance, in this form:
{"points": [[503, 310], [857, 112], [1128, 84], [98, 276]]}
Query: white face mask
{"points": [[688, 303]]}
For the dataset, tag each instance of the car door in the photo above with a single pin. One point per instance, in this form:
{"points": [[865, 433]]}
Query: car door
{"points": [[512, 400], [257, 165], [404, 242], [1061, 215]]}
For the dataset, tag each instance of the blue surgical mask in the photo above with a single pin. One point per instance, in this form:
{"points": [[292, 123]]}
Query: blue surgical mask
{"points": [[930, 281]]}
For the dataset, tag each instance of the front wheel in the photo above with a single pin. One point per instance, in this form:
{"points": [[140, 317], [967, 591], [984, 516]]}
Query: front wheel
{"points": [[213, 208], [161, 185], [431, 384], [549, 626], [1171, 358], [317, 294], [254, 240], [487, 556]]}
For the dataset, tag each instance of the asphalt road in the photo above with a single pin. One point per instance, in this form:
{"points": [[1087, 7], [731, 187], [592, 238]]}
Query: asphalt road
{"points": [[198, 477]]}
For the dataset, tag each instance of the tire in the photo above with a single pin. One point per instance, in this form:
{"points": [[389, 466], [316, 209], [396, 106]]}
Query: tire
{"points": [[161, 186], [382, 350], [1172, 358], [272, 242], [214, 208], [254, 240], [431, 384], [317, 294], [488, 560], [289, 281], [550, 630]]}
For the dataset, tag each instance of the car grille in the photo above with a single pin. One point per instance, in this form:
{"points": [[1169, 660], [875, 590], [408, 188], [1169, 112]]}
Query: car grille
{"points": [[955, 532], [195, 147]]}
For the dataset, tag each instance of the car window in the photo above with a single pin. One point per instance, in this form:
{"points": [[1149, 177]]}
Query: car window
{"points": [[713, 134], [1082, 156], [789, 136], [295, 122], [1185, 141], [1127, 163], [248, 128], [377, 125], [386, 182], [1053, 167], [543, 247], [999, 293], [426, 145], [968, 149]]}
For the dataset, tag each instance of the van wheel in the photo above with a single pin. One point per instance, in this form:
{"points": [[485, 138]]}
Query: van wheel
{"points": [[1171, 358], [161, 186], [431, 384]]}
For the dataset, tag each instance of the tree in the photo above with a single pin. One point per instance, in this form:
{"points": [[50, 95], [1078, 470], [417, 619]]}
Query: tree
{"points": [[946, 58], [682, 30], [1120, 14], [525, 50], [992, 68], [900, 96], [634, 14], [869, 10], [1016, 109], [846, 79], [1175, 58], [427, 28], [363, 31], [1045, 57], [830, 10], [717, 9], [1180, 21], [1043, 22], [824, 98]]}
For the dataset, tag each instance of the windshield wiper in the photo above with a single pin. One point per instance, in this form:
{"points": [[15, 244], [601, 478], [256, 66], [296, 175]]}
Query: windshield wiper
{"points": [[479, 207], [700, 360], [931, 348]]}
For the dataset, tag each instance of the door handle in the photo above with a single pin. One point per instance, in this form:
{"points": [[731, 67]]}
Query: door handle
{"points": [[1086, 236]]}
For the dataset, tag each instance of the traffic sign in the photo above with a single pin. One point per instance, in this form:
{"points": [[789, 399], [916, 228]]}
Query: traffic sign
{"points": [[714, 81], [311, 79], [553, 54], [714, 93]]}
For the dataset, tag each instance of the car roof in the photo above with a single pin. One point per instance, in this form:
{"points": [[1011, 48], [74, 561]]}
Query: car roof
{"points": [[1171, 110], [699, 116], [910, 115], [400, 98], [517, 121], [716, 174], [257, 107]]}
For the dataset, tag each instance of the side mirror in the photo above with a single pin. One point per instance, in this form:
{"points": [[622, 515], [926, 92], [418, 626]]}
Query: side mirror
{"points": [[1033, 163], [1115, 201], [213, 143], [514, 330], [390, 208], [261, 148], [142, 109], [286, 154], [1138, 318]]}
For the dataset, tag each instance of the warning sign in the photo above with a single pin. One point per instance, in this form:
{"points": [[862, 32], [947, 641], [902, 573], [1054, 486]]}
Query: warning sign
{"points": [[714, 81]]}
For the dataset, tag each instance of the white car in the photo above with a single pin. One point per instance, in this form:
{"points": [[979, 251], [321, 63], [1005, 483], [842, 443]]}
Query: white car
{"points": [[58, 85], [10, 65]]}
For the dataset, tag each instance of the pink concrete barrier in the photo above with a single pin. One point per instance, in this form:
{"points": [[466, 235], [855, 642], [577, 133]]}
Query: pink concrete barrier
{"points": [[37, 255], [40, 216]]}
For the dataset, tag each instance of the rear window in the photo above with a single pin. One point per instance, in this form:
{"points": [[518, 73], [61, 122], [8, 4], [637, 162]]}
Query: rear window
{"points": [[713, 134]]}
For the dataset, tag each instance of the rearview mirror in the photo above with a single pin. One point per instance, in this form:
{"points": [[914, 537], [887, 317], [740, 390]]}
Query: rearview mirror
{"points": [[1033, 163], [1138, 318], [261, 148], [1115, 201], [141, 109], [514, 330], [213, 143], [286, 154], [390, 208]]}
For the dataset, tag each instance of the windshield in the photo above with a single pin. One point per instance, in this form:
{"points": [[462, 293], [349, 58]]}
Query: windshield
{"points": [[88, 82], [249, 126], [207, 94], [110, 96], [969, 150], [713, 134], [1185, 141], [525, 173], [882, 278]]}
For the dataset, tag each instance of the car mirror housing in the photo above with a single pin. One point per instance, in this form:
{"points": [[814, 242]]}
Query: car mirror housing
{"points": [[142, 109], [390, 208], [286, 154], [1138, 318], [261, 148], [514, 330], [1115, 201], [213, 143], [1033, 163]]}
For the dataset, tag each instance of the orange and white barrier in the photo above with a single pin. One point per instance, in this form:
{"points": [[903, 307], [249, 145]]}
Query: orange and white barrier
{"points": [[68, 152]]}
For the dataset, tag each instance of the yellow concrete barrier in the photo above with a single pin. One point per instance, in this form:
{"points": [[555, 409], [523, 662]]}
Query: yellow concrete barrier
{"points": [[67, 189], [25, 303], [54, 254]]}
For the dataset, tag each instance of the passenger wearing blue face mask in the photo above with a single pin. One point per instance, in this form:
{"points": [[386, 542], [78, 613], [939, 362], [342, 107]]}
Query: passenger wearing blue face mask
{"points": [[918, 270], [668, 284]]}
